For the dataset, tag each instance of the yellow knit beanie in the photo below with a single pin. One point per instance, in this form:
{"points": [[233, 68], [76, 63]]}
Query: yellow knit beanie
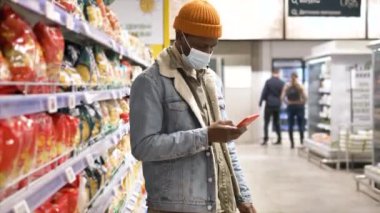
{"points": [[199, 18]]}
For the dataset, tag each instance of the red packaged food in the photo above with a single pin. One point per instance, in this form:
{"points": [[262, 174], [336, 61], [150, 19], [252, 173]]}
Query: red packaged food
{"points": [[72, 194], [22, 51], [5, 75], [10, 146], [53, 46], [29, 147], [44, 137], [61, 127], [61, 202]]}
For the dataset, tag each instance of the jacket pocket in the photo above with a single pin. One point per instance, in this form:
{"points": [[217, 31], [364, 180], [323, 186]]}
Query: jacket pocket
{"points": [[178, 106]]}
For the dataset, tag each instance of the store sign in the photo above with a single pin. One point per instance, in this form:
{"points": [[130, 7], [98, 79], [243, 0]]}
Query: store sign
{"points": [[346, 8], [144, 19]]}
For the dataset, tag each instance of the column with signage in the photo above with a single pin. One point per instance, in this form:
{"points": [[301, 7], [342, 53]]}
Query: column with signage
{"points": [[147, 19]]}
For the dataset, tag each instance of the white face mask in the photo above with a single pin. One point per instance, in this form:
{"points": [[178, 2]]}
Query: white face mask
{"points": [[196, 59]]}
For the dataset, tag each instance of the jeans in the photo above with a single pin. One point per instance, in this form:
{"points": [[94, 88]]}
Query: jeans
{"points": [[297, 112], [275, 113]]}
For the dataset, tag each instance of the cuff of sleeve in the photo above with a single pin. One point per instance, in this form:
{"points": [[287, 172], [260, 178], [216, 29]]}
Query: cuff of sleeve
{"points": [[201, 139], [241, 199]]}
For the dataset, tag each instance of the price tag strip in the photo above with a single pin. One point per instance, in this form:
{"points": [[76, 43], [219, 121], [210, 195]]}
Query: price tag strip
{"points": [[21, 207], [52, 104], [72, 102], [70, 175]]}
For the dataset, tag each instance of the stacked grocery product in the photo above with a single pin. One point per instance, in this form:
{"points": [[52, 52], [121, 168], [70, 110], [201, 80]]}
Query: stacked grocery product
{"points": [[30, 142], [67, 146], [99, 15]]}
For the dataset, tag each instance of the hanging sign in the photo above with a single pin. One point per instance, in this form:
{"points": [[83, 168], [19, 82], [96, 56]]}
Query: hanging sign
{"points": [[337, 8]]}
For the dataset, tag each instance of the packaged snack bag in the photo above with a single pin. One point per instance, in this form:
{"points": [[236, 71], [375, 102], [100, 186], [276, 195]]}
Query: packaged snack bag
{"points": [[11, 143], [86, 66], [93, 14], [28, 152], [53, 44], [45, 138], [21, 49], [106, 70], [5, 75]]}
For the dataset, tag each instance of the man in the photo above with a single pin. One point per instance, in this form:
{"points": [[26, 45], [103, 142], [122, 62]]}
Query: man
{"points": [[271, 94], [177, 128]]}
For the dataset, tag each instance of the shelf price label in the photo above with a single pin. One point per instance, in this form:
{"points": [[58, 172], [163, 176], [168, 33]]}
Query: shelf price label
{"points": [[72, 102], [90, 161], [21, 207], [50, 12], [88, 98], [70, 175], [52, 104], [70, 22]]}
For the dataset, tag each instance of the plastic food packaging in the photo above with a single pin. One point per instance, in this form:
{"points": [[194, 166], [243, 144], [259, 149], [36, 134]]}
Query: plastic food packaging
{"points": [[114, 112], [86, 66], [5, 75], [18, 148], [53, 44], [93, 14], [21, 49], [106, 71]]}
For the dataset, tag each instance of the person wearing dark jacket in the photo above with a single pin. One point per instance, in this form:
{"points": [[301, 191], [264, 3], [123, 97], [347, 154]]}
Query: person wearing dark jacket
{"points": [[271, 94]]}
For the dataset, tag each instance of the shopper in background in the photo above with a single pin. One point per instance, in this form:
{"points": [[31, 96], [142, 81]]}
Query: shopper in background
{"points": [[271, 94], [177, 128], [294, 96]]}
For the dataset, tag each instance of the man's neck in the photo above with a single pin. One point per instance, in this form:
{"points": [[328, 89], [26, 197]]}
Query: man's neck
{"points": [[275, 75]]}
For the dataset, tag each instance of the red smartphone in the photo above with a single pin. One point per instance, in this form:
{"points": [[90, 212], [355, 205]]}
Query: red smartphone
{"points": [[248, 120]]}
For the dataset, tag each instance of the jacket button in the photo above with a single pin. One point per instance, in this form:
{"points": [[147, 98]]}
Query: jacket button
{"points": [[209, 207], [208, 154], [210, 180]]}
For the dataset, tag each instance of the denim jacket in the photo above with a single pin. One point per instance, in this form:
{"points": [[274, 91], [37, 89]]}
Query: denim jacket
{"points": [[168, 135]]}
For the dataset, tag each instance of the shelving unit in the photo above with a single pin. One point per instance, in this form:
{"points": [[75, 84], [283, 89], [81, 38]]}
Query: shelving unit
{"points": [[371, 176], [80, 158], [43, 188], [74, 29], [27, 104], [330, 102]]}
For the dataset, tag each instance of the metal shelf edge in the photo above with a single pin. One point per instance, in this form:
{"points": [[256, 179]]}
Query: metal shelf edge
{"points": [[104, 200], [82, 27], [11, 106], [56, 179]]}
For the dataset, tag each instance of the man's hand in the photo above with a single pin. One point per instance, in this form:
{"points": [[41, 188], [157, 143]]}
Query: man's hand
{"points": [[224, 131], [246, 208]]}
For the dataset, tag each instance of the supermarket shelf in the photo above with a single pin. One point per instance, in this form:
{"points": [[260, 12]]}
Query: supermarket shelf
{"points": [[28, 104], [372, 172], [46, 186], [74, 29], [105, 199], [324, 150], [324, 126], [102, 202], [133, 196]]}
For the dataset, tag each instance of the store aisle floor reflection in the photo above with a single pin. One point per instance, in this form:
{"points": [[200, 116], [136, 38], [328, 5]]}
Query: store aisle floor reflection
{"points": [[282, 182]]}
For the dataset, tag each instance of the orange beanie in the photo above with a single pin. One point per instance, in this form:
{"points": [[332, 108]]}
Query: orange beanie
{"points": [[199, 18]]}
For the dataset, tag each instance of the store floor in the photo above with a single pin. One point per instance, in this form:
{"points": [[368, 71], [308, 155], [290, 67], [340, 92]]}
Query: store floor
{"points": [[283, 182]]}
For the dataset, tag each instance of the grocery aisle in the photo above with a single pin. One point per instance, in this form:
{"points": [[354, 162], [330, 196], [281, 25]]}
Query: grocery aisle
{"points": [[282, 182]]}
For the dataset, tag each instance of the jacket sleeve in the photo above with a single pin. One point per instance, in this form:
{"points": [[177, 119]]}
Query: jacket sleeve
{"points": [[147, 140], [244, 190], [264, 94]]}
